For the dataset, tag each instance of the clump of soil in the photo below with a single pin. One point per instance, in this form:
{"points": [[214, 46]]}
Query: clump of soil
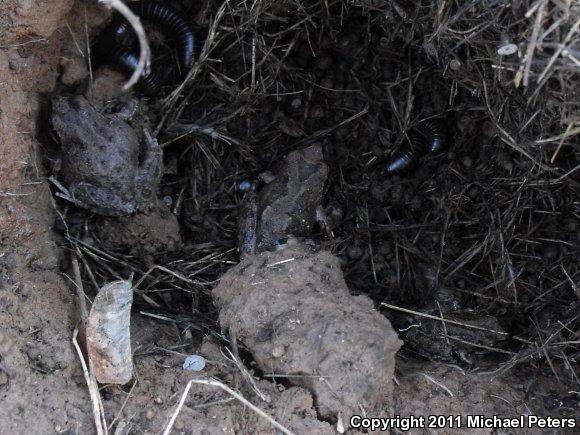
{"points": [[293, 311], [143, 234], [493, 220]]}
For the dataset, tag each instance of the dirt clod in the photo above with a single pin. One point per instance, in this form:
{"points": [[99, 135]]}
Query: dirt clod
{"points": [[144, 234], [339, 347]]}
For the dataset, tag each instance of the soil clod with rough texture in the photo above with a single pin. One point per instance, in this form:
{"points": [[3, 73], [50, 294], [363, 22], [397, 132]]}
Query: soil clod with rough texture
{"points": [[293, 311]]}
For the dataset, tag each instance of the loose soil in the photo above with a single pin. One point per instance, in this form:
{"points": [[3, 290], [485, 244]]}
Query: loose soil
{"points": [[486, 221]]}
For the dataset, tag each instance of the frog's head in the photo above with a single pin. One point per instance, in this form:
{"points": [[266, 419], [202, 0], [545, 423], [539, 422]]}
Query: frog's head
{"points": [[69, 111]]}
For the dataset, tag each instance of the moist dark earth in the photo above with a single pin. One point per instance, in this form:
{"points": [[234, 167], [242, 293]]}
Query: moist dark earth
{"points": [[485, 233]]}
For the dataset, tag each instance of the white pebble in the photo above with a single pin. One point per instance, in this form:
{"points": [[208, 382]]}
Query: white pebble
{"points": [[507, 49], [194, 363]]}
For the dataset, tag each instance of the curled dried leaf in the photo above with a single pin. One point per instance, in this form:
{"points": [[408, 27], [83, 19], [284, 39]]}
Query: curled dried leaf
{"points": [[108, 333]]}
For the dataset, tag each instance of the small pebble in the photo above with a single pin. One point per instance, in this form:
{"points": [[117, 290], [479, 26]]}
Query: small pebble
{"points": [[194, 363], [278, 351], [296, 103], [507, 49], [158, 401], [149, 414], [178, 424], [168, 200], [244, 186], [467, 162], [455, 65]]}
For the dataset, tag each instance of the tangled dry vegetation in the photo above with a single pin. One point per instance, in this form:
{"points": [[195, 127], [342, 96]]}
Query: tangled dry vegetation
{"points": [[489, 227]]}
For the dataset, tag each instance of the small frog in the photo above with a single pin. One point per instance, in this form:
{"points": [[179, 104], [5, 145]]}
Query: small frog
{"points": [[104, 166], [286, 205]]}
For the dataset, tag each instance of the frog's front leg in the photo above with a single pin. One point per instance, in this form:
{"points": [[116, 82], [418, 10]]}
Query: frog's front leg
{"points": [[149, 173], [248, 223], [128, 109]]}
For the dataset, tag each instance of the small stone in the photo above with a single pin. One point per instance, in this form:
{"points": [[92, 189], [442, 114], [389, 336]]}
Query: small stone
{"points": [[158, 401], [278, 351], [455, 65], [467, 162], [507, 49], [194, 363], [267, 177], [13, 64], [245, 186], [150, 414], [178, 424], [296, 103]]}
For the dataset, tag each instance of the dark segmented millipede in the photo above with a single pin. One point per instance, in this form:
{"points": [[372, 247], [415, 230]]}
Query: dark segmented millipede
{"points": [[430, 137], [173, 24], [127, 61], [434, 131], [116, 46]]}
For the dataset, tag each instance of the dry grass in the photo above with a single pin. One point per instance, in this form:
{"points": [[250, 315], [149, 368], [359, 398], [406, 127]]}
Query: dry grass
{"points": [[492, 224]]}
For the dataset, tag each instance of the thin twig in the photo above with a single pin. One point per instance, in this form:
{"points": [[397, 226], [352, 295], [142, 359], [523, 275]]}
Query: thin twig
{"points": [[97, 405], [216, 383]]}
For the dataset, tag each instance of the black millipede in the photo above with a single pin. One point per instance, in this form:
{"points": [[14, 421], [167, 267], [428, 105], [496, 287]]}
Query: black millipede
{"points": [[117, 45], [127, 61], [428, 138]]}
